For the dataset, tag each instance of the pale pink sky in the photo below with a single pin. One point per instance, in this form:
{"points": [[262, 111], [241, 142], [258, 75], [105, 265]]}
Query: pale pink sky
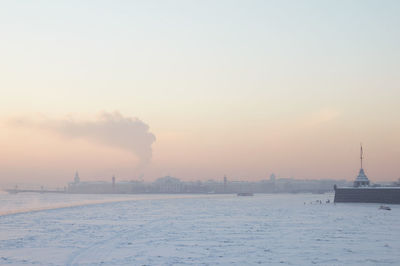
{"points": [[241, 89]]}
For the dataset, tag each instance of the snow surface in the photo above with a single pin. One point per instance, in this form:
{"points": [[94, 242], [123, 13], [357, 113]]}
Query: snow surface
{"points": [[62, 229]]}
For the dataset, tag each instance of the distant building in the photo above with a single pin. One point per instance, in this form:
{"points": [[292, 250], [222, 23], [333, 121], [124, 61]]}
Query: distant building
{"points": [[97, 187], [272, 177], [361, 180], [168, 184], [225, 183], [76, 178]]}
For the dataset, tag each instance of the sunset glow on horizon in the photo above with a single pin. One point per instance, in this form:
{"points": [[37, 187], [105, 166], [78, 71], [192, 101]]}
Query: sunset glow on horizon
{"points": [[198, 90]]}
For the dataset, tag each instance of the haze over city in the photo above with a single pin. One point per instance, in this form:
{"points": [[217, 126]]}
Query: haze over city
{"points": [[198, 90]]}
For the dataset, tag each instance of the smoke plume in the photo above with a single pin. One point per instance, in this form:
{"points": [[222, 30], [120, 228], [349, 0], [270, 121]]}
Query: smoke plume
{"points": [[112, 129]]}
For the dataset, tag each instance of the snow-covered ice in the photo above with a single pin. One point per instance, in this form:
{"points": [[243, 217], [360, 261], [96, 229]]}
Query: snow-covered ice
{"points": [[60, 229]]}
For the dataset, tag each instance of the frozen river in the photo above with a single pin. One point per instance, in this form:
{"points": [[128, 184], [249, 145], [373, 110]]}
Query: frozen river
{"points": [[62, 229]]}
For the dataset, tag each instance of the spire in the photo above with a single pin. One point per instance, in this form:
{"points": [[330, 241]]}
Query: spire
{"points": [[361, 154], [362, 179]]}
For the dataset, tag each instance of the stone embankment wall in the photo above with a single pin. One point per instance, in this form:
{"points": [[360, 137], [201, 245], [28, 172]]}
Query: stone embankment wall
{"points": [[368, 195]]}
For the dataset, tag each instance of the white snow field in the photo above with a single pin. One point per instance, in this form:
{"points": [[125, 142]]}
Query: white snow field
{"points": [[272, 229]]}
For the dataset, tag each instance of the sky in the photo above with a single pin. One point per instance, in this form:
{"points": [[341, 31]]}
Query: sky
{"points": [[198, 90]]}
